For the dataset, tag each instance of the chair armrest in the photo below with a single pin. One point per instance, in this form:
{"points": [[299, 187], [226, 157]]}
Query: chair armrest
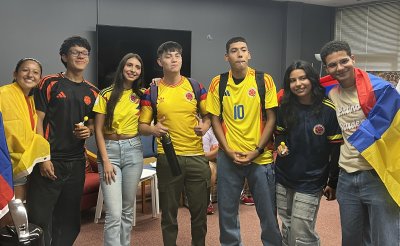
{"points": [[92, 159]]}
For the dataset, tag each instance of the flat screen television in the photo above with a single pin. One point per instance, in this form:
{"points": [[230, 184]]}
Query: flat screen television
{"points": [[113, 42]]}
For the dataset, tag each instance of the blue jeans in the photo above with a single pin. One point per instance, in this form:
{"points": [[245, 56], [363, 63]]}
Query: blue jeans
{"points": [[298, 213], [261, 180], [368, 214], [127, 159]]}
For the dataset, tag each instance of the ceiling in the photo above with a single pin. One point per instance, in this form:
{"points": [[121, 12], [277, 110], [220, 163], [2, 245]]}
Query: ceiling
{"points": [[331, 3]]}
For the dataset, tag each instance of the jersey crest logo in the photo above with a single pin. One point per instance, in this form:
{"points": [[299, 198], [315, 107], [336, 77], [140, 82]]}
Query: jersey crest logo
{"points": [[252, 92], [319, 129], [87, 100], [189, 96], [133, 98]]}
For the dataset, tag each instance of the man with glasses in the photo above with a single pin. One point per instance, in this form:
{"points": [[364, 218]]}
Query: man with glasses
{"points": [[367, 109], [64, 104]]}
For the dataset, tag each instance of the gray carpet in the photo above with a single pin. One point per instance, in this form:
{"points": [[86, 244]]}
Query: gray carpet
{"points": [[148, 232]]}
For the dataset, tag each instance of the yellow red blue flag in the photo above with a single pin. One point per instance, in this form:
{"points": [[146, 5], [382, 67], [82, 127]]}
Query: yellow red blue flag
{"points": [[6, 178], [378, 137]]}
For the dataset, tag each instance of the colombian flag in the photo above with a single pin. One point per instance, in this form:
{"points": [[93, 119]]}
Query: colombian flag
{"points": [[328, 82], [378, 137], [6, 179]]}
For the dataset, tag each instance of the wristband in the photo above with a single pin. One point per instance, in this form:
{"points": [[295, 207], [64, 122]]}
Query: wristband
{"points": [[259, 150]]}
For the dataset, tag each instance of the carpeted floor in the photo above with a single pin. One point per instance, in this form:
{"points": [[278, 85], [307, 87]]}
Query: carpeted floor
{"points": [[148, 232]]}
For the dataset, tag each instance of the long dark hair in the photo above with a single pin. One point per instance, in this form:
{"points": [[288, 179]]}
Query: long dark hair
{"points": [[289, 100], [118, 87]]}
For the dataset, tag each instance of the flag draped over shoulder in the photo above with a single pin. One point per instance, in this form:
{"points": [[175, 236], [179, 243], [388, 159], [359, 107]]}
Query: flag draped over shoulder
{"points": [[378, 137], [26, 147], [328, 82], [6, 178]]}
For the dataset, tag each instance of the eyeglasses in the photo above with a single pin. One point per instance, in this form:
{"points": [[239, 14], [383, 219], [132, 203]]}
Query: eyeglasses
{"points": [[76, 53], [342, 62]]}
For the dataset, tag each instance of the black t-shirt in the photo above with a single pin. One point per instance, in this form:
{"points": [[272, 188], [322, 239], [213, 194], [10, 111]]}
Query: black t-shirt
{"points": [[306, 168], [65, 103]]}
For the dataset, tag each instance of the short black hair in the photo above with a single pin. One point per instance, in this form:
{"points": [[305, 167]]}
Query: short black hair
{"points": [[71, 42], [234, 40], [169, 46], [334, 46]]}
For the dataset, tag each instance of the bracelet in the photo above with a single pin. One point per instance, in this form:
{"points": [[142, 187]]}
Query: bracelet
{"points": [[259, 150]]}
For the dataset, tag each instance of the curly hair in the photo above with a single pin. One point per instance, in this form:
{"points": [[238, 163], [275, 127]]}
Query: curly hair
{"points": [[71, 42], [334, 46]]}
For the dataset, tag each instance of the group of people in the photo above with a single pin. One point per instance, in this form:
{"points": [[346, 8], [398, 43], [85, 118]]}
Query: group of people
{"points": [[46, 122], [319, 139]]}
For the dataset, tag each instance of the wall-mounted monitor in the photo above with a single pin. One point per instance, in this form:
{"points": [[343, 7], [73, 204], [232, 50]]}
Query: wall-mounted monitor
{"points": [[113, 42]]}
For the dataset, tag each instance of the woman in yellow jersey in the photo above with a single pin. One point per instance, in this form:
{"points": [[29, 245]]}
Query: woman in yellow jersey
{"points": [[26, 148], [120, 155]]}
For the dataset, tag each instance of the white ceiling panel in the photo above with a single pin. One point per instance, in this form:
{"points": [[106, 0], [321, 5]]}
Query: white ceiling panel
{"points": [[331, 3]]}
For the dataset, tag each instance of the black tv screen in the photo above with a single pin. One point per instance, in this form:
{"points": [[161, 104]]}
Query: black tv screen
{"points": [[113, 42]]}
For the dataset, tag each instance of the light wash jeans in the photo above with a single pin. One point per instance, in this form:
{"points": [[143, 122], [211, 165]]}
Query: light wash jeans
{"points": [[127, 159], [368, 214], [298, 213], [261, 180]]}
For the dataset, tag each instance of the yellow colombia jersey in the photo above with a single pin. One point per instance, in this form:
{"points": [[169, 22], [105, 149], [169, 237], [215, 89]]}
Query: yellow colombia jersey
{"points": [[126, 112], [241, 112], [179, 106]]}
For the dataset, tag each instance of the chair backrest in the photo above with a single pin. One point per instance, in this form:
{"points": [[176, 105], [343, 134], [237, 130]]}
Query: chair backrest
{"points": [[149, 146]]}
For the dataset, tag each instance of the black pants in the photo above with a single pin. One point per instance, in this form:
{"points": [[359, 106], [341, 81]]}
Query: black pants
{"points": [[55, 205]]}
